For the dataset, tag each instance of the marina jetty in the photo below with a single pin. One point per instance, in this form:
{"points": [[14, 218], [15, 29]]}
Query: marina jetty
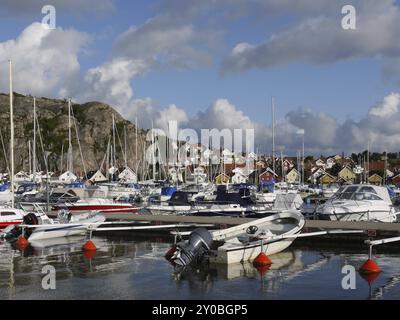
{"points": [[372, 230]]}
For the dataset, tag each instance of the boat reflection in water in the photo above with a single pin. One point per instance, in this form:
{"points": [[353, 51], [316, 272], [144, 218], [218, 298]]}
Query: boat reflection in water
{"points": [[127, 267], [285, 267], [21, 268]]}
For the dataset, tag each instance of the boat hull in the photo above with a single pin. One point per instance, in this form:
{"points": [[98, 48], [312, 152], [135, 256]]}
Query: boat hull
{"points": [[228, 254], [66, 229], [105, 209]]}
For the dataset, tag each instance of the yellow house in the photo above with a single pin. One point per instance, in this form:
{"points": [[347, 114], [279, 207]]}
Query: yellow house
{"points": [[375, 179], [327, 179], [293, 176], [222, 179], [346, 174]]}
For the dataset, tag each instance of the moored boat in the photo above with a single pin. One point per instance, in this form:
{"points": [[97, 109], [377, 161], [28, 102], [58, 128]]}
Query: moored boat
{"points": [[10, 216], [104, 206]]}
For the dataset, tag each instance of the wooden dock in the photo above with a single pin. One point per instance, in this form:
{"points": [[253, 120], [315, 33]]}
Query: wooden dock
{"points": [[371, 228], [230, 221]]}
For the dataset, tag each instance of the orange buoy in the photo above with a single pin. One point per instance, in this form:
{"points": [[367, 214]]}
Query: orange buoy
{"points": [[170, 252], [370, 266], [262, 260], [22, 242], [89, 246]]}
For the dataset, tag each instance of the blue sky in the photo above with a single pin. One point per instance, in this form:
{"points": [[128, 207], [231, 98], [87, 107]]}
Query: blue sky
{"points": [[195, 66]]}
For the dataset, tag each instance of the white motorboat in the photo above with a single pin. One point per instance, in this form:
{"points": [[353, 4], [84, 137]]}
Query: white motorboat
{"points": [[330, 191], [97, 204], [270, 236], [5, 196], [38, 226], [244, 242], [359, 202]]}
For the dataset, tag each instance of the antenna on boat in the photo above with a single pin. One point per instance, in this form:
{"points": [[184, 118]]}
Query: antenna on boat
{"points": [[12, 136]]}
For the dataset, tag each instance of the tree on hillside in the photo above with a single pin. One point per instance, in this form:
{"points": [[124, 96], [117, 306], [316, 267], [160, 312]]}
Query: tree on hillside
{"points": [[335, 169]]}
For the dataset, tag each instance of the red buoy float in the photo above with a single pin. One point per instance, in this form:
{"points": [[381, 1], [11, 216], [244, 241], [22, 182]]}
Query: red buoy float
{"points": [[22, 242], [369, 267], [89, 246], [262, 260]]}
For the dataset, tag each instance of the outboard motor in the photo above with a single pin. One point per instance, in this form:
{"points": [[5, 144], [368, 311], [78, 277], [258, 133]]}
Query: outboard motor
{"points": [[31, 219], [196, 246]]}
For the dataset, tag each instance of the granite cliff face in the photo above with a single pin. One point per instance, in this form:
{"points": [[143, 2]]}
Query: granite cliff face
{"points": [[94, 125]]}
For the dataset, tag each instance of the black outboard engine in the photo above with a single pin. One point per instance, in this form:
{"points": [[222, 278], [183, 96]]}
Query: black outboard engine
{"points": [[31, 219], [195, 247]]}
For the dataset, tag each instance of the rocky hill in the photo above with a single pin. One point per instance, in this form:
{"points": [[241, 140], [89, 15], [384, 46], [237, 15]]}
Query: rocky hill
{"points": [[94, 125]]}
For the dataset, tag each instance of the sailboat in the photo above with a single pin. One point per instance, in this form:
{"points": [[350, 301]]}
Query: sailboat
{"points": [[68, 176]]}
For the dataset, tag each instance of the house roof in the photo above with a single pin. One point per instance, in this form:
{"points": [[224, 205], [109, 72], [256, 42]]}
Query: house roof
{"points": [[377, 166], [268, 170], [327, 174]]}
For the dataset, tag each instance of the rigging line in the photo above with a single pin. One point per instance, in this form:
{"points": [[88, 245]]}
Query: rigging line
{"points": [[41, 144], [5, 153], [105, 154], [79, 144], [120, 143]]}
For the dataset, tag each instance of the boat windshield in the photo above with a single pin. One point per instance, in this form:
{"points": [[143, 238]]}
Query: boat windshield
{"points": [[354, 193]]}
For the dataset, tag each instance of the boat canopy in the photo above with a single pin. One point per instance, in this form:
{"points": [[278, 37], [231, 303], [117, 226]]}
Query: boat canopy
{"points": [[168, 191], [362, 192]]}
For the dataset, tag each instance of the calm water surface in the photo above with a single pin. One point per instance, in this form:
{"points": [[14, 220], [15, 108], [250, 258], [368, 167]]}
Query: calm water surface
{"points": [[127, 267]]}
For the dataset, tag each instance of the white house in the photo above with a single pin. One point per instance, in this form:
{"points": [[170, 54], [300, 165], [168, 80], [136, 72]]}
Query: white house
{"points": [[316, 174], [241, 175], [227, 156], [330, 162]]}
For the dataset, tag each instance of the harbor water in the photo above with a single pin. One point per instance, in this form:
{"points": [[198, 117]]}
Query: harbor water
{"points": [[134, 267]]}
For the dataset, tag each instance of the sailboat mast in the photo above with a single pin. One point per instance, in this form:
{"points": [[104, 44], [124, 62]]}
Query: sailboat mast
{"points": [[302, 160], [70, 159], [62, 156], [154, 151], [34, 141], [114, 157], [126, 160], [136, 145], [30, 157], [12, 136], [273, 132]]}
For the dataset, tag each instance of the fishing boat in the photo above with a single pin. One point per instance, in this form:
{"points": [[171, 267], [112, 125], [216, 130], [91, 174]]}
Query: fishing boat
{"points": [[105, 206], [359, 202], [241, 243]]}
